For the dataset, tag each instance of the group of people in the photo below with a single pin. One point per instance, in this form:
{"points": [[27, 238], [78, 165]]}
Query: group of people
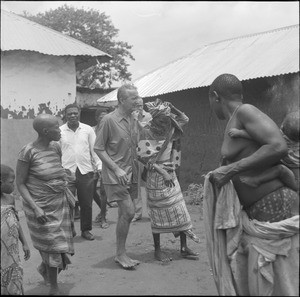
{"points": [[130, 148]]}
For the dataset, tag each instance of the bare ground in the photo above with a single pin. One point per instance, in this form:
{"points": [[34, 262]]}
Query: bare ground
{"points": [[94, 272]]}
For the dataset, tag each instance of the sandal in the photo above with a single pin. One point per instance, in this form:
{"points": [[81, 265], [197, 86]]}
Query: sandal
{"points": [[189, 255], [192, 236]]}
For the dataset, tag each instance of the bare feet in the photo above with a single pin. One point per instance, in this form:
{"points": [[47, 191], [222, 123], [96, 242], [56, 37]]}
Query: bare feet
{"points": [[43, 272], [189, 254], [126, 262], [135, 262], [162, 256], [103, 224], [250, 181], [54, 291]]}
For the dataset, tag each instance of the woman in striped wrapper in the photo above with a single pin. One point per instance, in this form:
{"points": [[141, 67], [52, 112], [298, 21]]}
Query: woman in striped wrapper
{"points": [[165, 202], [47, 202]]}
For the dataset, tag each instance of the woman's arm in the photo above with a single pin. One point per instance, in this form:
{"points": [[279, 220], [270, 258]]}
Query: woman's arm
{"points": [[266, 134], [167, 177], [21, 177], [24, 242], [175, 110], [181, 117]]}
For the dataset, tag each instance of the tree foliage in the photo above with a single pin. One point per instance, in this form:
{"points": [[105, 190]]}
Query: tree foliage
{"points": [[96, 29]]}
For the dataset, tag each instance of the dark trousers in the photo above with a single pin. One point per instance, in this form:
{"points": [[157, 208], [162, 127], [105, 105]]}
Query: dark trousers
{"points": [[85, 192]]}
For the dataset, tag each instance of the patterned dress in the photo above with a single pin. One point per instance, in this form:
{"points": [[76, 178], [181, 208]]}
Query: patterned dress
{"points": [[11, 267], [166, 206]]}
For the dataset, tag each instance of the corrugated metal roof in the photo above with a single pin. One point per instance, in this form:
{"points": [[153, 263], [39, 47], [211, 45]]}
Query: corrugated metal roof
{"points": [[269, 53], [18, 33]]}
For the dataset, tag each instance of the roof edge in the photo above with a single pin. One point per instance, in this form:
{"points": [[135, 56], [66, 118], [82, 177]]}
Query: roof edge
{"points": [[72, 39], [216, 42], [255, 34]]}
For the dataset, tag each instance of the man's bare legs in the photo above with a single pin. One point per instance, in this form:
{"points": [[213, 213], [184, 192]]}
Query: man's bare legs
{"points": [[125, 215]]}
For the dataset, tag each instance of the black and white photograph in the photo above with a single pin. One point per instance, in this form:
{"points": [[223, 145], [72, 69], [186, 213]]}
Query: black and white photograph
{"points": [[150, 148]]}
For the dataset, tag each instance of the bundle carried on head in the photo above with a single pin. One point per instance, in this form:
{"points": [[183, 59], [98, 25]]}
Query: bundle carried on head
{"points": [[159, 110], [158, 107]]}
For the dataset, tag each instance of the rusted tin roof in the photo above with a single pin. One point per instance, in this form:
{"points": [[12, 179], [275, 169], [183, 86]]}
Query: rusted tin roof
{"points": [[269, 53], [18, 33]]}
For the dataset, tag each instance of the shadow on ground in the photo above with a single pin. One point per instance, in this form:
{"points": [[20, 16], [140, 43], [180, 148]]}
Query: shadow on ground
{"points": [[42, 289]]}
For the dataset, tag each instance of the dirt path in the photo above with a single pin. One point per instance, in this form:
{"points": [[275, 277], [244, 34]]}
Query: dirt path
{"points": [[94, 272]]}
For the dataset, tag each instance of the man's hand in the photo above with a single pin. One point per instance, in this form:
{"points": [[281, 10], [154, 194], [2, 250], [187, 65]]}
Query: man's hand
{"points": [[122, 177]]}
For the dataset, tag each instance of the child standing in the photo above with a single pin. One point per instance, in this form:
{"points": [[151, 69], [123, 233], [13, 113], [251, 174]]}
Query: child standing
{"points": [[11, 233]]}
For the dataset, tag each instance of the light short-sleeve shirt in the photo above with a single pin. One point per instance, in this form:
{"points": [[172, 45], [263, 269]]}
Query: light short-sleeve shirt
{"points": [[116, 136]]}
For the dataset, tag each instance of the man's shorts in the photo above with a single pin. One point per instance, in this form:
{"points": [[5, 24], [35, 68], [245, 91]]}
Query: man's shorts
{"points": [[119, 192]]}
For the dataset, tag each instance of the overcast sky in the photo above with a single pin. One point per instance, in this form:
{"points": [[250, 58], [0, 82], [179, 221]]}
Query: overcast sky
{"points": [[163, 31]]}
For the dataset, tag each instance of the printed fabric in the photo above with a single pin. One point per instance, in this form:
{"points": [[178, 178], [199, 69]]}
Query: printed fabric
{"points": [[249, 257], [274, 207], [11, 268], [166, 206]]}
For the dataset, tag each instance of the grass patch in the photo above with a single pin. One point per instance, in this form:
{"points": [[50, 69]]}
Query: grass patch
{"points": [[194, 196]]}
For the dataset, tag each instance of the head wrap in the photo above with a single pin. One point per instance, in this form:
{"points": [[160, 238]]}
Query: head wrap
{"points": [[158, 107]]}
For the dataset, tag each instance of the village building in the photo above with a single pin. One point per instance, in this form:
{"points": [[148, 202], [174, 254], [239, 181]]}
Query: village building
{"points": [[86, 99], [38, 74], [267, 63]]}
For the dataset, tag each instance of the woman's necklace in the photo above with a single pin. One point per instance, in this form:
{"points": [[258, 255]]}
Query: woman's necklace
{"points": [[234, 112], [231, 117]]}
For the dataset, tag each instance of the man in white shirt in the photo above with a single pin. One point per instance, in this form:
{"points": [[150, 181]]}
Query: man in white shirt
{"points": [[77, 144]]}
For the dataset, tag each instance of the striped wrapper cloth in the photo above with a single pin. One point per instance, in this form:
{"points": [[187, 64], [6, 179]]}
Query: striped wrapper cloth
{"points": [[54, 236]]}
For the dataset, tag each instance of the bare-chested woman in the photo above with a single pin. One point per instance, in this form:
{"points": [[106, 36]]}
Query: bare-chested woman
{"points": [[250, 156], [268, 205]]}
